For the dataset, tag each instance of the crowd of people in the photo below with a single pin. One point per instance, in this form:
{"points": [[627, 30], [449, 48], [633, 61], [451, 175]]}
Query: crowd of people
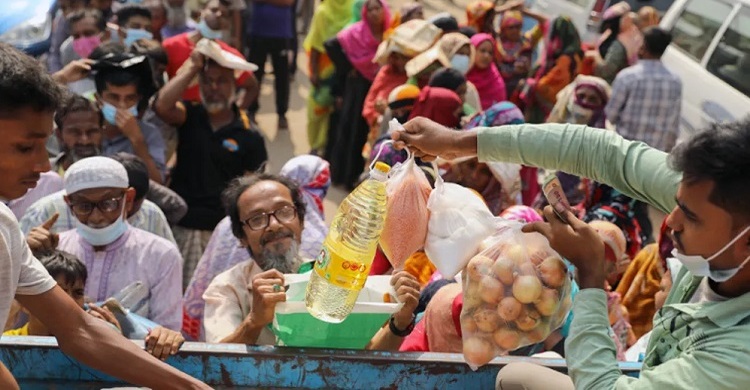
{"points": [[151, 202]]}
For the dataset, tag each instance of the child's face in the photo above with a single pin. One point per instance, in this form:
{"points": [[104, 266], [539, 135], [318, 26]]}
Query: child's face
{"points": [[485, 55], [75, 289]]}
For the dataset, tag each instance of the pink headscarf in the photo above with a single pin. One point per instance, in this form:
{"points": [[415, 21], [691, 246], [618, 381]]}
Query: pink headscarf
{"points": [[360, 45], [489, 82]]}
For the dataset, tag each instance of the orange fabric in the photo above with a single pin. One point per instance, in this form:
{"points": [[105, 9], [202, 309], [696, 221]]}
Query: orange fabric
{"points": [[420, 266], [556, 79], [638, 286], [386, 81]]}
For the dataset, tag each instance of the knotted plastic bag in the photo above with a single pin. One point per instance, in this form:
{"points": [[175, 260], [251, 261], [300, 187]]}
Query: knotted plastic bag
{"points": [[406, 216], [516, 292], [459, 222]]}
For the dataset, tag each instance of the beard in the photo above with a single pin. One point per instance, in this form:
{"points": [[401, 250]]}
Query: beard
{"points": [[285, 262], [214, 107], [79, 153]]}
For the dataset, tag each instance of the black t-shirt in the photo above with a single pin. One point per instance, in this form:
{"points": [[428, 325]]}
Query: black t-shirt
{"points": [[207, 160]]}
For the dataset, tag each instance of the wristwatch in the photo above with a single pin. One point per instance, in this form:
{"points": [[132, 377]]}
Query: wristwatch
{"points": [[402, 333]]}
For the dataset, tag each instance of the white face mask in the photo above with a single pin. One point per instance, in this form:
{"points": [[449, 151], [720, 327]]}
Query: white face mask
{"points": [[699, 265], [461, 63], [106, 235]]}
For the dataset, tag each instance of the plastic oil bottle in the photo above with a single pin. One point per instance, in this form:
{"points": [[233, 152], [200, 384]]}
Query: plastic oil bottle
{"points": [[344, 262]]}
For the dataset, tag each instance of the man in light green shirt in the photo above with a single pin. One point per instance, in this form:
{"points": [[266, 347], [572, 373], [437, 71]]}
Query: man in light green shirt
{"points": [[700, 338]]}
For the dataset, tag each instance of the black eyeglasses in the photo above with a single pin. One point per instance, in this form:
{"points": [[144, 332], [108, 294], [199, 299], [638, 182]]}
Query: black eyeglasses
{"points": [[261, 221], [105, 206]]}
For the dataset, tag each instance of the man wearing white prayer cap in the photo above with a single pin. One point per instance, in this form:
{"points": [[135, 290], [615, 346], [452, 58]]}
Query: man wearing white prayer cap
{"points": [[216, 143], [116, 254]]}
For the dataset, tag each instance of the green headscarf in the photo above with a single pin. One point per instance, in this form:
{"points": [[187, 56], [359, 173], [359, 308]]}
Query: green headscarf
{"points": [[357, 11], [330, 17]]}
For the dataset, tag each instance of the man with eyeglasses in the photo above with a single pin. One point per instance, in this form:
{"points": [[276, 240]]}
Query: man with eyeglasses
{"points": [[117, 255], [267, 214]]}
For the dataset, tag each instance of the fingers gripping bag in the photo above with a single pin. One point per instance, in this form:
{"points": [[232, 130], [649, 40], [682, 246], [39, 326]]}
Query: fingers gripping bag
{"points": [[406, 216], [459, 222], [517, 290]]}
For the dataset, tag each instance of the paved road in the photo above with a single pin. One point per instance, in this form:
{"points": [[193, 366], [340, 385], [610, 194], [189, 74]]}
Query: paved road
{"points": [[286, 144]]}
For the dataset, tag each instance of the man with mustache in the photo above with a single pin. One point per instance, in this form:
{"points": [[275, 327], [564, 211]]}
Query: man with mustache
{"points": [[216, 143], [117, 255], [699, 337], [267, 214]]}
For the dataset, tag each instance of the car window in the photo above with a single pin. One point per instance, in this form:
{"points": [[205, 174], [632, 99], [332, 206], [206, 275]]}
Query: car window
{"points": [[731, 59], [697, 26]]}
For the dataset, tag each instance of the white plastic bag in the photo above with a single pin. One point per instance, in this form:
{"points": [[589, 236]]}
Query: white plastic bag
{"points": [[459, 222]]}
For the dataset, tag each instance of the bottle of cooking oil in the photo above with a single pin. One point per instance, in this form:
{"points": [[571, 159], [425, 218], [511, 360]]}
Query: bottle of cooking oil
{"points": [[344, 262]]}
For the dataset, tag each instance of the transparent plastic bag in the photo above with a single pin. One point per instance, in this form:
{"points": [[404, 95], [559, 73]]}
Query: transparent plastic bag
{"points": [[406, 216], [516, 292], [459, 221]]}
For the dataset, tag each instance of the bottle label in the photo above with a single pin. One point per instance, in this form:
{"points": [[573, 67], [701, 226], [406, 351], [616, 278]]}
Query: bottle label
{"points": [[339, 271]]}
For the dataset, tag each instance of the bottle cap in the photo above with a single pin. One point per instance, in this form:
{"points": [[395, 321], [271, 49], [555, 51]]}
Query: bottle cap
{"points": [[382, 167]]}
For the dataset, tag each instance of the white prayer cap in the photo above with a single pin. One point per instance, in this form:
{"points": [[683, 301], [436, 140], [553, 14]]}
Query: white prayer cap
{"points": [[95, 172]]}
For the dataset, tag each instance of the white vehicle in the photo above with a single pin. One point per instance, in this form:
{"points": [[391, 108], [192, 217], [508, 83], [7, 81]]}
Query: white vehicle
{"points": [[587, 14], [710, 51]]}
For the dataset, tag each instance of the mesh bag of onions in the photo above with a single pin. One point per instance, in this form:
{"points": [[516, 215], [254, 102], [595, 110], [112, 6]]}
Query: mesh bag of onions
{"points": [[517, 290]]}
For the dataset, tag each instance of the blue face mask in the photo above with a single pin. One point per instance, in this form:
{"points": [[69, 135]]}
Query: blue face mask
{"points": [[208, 32], [106, 235], [132, 35], [461, 63], [109, 111]]}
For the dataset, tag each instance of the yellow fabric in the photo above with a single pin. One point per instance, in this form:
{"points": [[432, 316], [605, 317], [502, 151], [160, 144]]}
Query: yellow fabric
{"points": [[638, 287], [329, 18], [22, 331], [420, 266]]}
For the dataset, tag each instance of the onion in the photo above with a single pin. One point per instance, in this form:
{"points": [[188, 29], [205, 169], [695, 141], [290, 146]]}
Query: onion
{"points": [[491, 290], [509, 309], [539, 333], [516, 254], [503, 270], [479, 266], [528, 319], [472, 297], [552, 272], [527, 268], [527, 288], [468, 325], [506, 339], [487, 320], [478, 351], [547, 302]]}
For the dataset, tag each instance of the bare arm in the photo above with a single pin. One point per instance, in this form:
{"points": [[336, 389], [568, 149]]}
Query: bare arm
{"points": [[6, 379], [95, 344], [407, 290], [539, 17], [168, 105], [247, 333]]}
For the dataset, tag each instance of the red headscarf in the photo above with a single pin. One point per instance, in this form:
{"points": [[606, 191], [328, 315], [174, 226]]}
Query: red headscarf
{"points": [[439, 105], [360, 45], [488, 81]]}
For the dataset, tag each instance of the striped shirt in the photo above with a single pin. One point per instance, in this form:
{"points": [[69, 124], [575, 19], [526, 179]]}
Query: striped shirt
{"points": [[645, 104]]}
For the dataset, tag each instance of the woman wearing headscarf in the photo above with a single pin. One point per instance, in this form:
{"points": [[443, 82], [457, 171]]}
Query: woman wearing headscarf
{"points": [[516, 48], [458, 49], [224, 250], [559, 67], [619, 43], [329, 18], [440, 105], [484, 74], [409, 11], [358, 43], [480, 15], [500, 184]]}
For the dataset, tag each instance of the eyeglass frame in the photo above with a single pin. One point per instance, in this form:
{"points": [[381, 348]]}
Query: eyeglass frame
{"points": [[267, 217], [98, 205]]}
